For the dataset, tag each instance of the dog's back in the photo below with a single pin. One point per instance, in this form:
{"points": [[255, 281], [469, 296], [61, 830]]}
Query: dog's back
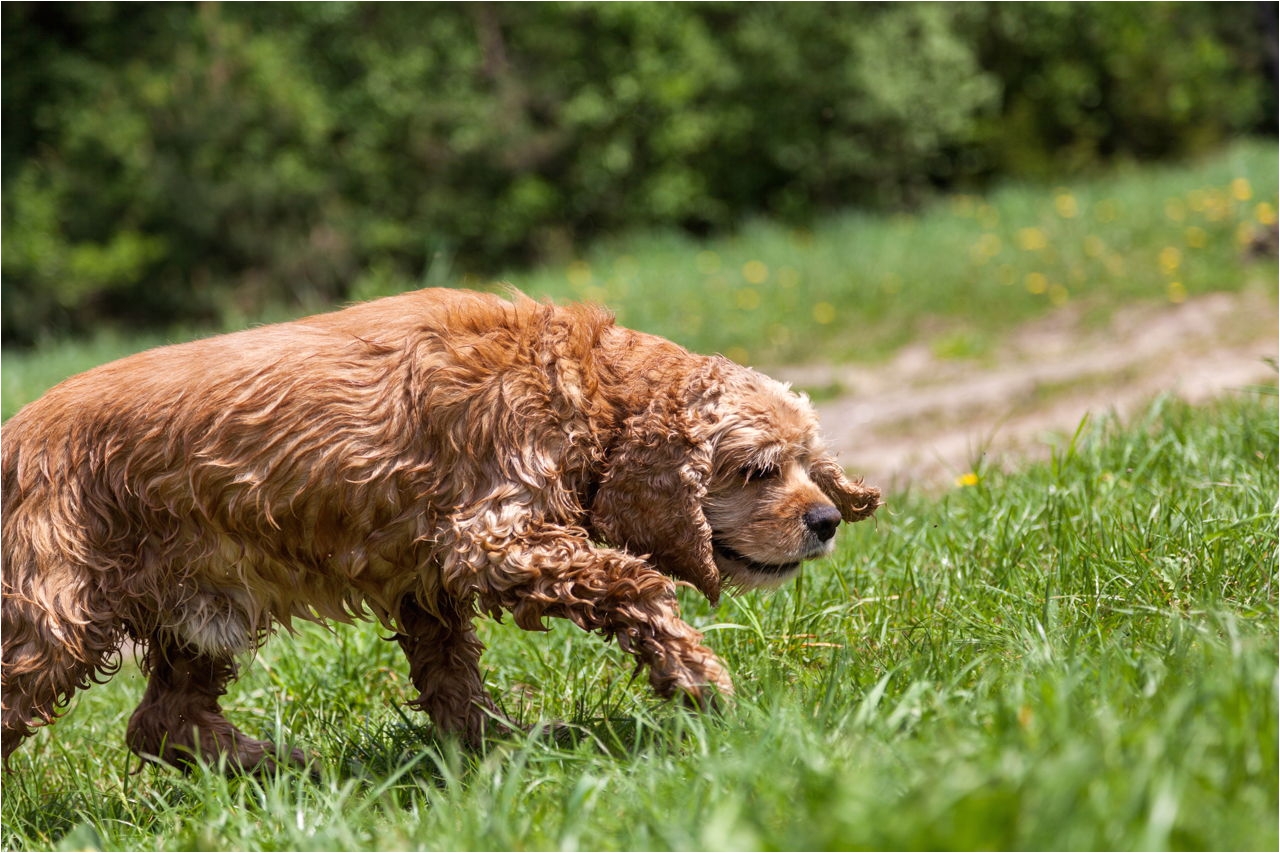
{"points": [[294, 447]]}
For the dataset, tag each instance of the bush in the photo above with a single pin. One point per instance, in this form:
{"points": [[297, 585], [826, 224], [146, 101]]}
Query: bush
{"points": [[1085, 82], [169, 162]]}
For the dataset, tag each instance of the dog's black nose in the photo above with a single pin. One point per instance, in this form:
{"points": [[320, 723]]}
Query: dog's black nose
{"points": [[823, 521]]}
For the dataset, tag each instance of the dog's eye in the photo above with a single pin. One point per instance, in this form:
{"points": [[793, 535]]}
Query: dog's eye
{"points": [[755, 473]]}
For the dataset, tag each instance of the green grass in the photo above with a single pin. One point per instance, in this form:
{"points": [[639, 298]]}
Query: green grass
{"points": [[858, 286], [1082, 655]]}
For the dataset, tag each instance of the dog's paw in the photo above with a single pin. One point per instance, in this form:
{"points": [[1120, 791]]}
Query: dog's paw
{"points": [[702, 683], [264, 758]]}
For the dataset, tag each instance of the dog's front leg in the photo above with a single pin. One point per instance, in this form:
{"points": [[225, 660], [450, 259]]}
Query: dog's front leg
{"points": [[559, 572], [444, 663]]}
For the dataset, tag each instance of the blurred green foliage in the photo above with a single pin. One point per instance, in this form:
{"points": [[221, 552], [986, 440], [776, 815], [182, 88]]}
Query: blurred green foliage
{"points": [[176, 161]]}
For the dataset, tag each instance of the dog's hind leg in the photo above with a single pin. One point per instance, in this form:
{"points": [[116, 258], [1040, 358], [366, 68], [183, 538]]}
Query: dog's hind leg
{"points": [[180, 720], [444, 663]]}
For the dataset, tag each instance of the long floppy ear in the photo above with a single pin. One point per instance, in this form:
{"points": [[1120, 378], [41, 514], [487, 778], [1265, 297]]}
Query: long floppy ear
{"points": [[650, 500], [854, 500]]}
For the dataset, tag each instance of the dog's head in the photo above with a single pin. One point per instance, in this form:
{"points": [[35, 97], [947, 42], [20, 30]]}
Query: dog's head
{"points": [[732, 486]]}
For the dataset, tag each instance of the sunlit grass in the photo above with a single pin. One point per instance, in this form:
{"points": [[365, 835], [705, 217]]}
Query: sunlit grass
{"points": [[857, 286], [1082, 655]]}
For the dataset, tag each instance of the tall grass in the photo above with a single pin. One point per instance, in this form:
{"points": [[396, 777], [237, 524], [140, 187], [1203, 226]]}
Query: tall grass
{"points": [[1082, 655], [857, 286]]}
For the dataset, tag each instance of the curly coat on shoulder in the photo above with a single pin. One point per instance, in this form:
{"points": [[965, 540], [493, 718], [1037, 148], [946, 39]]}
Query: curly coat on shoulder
{"points": [[418, 459]]}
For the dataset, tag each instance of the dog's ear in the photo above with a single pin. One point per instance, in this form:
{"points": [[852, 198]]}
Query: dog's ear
{"points": [[650, 500], [854, 500]]}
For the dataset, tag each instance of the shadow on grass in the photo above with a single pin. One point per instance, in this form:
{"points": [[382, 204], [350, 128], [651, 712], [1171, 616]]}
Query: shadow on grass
{"points": [[49, 817], [408, 750], [72, 819], [359, 764]]}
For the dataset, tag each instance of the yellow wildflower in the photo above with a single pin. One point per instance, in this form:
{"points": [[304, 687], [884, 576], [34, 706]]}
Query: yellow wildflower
{"points": [[1170, 259], [1065, 204], [1177, 293], [1032, 239], [1196, 237], [824, 313], [755, 272], [1265, 213], [1217, 207], [968, 479], [1037, 282], [1240, 190], [1059, 295]]}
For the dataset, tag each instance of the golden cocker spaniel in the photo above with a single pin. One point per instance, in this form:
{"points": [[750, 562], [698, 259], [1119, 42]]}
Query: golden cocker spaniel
{"points": [[417, 459]]}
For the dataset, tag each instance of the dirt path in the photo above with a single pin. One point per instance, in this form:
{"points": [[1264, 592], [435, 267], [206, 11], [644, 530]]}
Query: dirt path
{"points": [[923, 421]]}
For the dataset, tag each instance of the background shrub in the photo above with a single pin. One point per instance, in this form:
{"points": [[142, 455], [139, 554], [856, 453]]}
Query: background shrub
{"points": [[166, 162]]}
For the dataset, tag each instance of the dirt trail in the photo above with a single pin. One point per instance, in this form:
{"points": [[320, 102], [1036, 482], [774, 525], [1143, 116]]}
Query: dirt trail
{"points": [[923, 421]]}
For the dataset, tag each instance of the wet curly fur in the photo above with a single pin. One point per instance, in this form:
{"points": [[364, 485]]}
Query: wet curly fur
{"points": [[419, 459]]}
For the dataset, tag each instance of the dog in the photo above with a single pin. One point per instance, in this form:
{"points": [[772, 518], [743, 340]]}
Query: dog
{"points": [[420, 460]]}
